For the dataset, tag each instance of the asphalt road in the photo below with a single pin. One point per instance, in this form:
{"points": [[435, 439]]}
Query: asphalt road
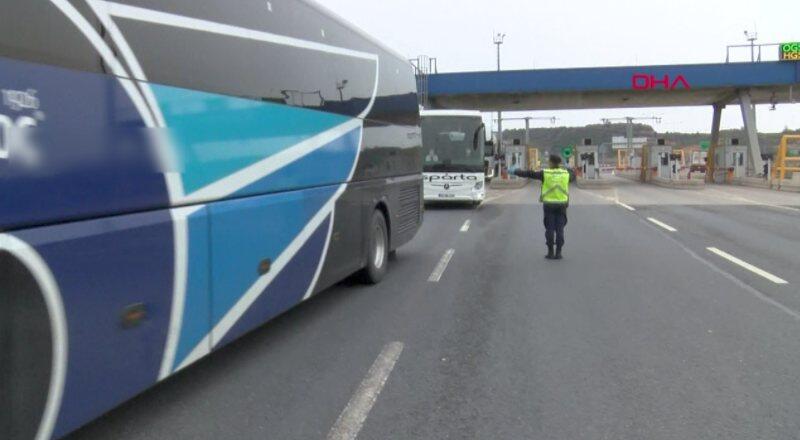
{"points": [[639, 333]]}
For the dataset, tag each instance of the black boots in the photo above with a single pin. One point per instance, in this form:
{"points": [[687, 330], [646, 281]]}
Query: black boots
{"points": [[553, 255]]}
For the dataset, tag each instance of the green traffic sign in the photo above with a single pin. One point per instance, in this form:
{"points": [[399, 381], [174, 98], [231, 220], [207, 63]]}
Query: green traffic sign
{"points": [[704, 145], [566, 151], [789, 51]]}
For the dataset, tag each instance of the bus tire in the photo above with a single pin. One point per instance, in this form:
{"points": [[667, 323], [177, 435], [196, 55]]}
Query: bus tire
{"points": [[25, 351], [377, 250]]}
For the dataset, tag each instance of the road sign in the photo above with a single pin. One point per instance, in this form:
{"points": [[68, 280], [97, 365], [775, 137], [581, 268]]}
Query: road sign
{"points": [[789, 51], [566, 152], [704, 145], [621, 142]]}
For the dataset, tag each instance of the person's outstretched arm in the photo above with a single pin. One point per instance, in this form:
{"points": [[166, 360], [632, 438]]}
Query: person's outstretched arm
{"points": [[536, 175], [571, 175]]}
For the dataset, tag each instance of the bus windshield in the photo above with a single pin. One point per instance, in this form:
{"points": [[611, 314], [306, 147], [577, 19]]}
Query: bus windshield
{"points": [[453, 143]]}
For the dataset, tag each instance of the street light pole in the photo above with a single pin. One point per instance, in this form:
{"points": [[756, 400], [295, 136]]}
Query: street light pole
{"points": [[752, 39], [528, 120], [498, 40]]}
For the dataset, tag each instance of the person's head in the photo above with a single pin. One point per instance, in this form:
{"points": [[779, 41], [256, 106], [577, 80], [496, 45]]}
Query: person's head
{"points": [[555, 161]]}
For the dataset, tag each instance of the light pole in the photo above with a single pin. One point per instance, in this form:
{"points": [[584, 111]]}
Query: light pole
{"points": [[629, 125], [528, 120], [498, 41], [752, 39]]}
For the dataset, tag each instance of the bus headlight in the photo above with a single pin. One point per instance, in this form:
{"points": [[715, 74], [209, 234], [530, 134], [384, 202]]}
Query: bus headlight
{"points": [[478, 186]]}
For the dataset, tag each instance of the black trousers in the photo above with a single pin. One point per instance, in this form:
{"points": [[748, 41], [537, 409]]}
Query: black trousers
{"points": [[555, 219]]}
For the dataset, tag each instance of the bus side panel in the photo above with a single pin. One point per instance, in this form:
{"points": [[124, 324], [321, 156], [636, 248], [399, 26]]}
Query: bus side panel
{"points": [[346, 249], [87, 153], [288, 288], [265, 252], [406, 205], [115, 277]]}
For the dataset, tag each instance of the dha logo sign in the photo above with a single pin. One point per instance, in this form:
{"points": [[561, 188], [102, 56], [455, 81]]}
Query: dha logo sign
{"points": [[644, 81]]}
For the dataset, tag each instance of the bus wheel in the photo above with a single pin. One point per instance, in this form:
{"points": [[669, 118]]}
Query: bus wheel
{"points": [[26, 347], [378, 254]]}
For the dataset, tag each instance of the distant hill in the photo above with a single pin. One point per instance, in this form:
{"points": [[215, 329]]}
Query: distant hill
{"points": [[547, 138]]}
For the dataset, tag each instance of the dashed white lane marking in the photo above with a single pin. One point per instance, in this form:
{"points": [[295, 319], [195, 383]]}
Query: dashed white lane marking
{"points": [[744, 286], [352, 418], [465, 226], [438, 271], [662, 224], [748, 266], [628, 207]]}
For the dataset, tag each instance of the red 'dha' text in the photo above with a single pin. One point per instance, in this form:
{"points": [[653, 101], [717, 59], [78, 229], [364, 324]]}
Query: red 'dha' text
{"points": [[645, 81]]}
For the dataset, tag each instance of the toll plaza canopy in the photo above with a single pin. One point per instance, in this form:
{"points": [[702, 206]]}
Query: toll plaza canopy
{"points": [[615, 87]]}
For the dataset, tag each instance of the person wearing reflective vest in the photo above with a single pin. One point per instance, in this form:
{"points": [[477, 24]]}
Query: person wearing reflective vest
{"points": [[555, 200]]}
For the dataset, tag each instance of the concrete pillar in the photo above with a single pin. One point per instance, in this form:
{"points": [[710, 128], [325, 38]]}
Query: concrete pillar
{"points": [[527, 134], [712, 147], [500, 133], [756, 164]]}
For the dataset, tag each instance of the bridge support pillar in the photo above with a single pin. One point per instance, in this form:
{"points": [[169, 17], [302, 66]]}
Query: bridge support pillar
{"points": [[749, 118], [711, 157]]}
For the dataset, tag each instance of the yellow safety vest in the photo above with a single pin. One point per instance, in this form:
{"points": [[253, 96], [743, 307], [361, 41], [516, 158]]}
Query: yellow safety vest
{"points": [[555, 186]]}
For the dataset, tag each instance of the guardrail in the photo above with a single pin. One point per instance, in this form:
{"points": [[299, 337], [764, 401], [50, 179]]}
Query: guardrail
{"points": [[757, 54]]}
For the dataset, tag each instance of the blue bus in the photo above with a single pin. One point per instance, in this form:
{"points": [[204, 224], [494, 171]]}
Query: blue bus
{"points": [[175, 173]]}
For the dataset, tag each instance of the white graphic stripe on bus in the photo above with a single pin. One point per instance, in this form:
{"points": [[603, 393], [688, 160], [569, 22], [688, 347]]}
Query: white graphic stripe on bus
{"points": [[254, 291], [200, 25], [263, 168], [324, 254], [180, 230]]}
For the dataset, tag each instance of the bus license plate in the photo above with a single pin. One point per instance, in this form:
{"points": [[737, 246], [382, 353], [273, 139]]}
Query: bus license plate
{"points": [[446, 196]]}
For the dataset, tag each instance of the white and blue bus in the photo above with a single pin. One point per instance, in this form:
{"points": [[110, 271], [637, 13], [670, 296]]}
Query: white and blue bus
{"points": [[175, 173], [453, 143]]}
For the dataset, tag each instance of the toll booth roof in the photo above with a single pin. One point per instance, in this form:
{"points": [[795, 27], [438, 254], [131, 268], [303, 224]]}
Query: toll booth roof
{"points": [[615, 87]]}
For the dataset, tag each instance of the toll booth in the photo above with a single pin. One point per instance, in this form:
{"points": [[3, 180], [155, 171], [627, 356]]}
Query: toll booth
{"points": [[732, 159], [533, 159], [588, 157], [516, 157], [662, 159]]}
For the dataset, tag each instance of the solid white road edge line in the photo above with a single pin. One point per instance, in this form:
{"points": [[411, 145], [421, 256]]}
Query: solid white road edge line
{"points": [[438, 271], [748, 266], [744, 286], [465, 226], [352, 418], [662, 224]]}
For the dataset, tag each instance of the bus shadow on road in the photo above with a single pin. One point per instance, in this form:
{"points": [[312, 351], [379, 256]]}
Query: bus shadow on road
{"points": [[450, 206]]}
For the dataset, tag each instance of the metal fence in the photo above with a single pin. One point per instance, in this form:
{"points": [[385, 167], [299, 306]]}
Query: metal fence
{"points": [[755, 53]]}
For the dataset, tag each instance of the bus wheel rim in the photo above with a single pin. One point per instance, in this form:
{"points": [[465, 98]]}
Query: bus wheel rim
{"points": [[380, 246]]}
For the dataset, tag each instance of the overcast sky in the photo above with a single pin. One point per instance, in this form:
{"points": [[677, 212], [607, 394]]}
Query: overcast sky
{"points": [[579, 33]]}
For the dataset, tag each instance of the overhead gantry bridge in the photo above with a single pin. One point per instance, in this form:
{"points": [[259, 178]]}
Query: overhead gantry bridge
{"points": [[716, 85]]}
